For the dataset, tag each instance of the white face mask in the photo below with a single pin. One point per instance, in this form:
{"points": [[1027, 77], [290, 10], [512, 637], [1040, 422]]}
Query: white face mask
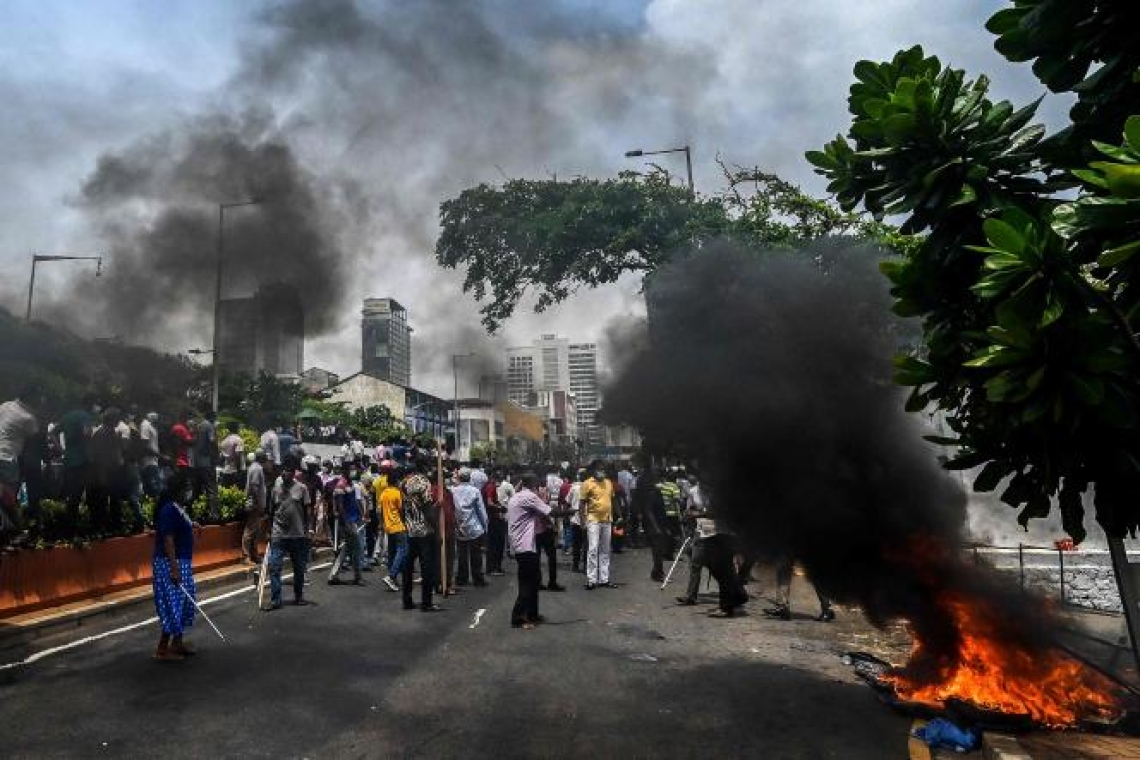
{"points": [[600, 475]]}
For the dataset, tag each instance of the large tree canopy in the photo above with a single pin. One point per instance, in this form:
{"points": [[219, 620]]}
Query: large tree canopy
{"points": [[1028, 298], [549, 238]]}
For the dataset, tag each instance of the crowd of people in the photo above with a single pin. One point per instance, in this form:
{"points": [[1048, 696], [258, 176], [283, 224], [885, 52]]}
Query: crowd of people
{"points": [[409, 515], [102, 462]]}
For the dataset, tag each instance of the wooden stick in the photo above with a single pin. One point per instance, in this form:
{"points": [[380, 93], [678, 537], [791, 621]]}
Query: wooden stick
{"points": [[443, 579]]}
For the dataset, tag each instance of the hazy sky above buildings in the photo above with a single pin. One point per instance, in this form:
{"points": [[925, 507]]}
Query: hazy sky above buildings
{"points": [[391, 107]]}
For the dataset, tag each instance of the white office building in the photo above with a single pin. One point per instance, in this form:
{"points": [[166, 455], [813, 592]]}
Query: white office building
{"points": [[552, 363]]}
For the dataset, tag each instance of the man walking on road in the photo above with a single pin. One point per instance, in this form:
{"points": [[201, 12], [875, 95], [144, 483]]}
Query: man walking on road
{"points": [[255, 498], [391, 508], [471, 527], [525, 512], [351, 521], [421, 520], [597, 498], [291, 520]]}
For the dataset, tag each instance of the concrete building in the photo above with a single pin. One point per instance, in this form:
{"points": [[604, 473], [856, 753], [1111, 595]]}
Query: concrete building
{"points": [[421, 412], [363, 390], [582, 359], [263, 333], [560, 413], [386, 341], [505, 426], [316, 379], [551, 364]]}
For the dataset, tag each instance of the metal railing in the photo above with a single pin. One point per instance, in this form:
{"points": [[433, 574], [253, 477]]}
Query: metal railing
{"points": [[1021, 549]]}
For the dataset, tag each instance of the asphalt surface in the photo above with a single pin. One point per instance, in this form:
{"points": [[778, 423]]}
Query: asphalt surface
{"points": [[613, 673]]}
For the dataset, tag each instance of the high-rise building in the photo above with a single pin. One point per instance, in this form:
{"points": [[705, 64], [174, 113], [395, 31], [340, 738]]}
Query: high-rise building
{"points": [[552, 364], [386, 341], [582, 363], [263, 333]]}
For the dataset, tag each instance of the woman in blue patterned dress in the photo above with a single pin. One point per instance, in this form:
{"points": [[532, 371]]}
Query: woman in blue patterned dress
{"points": [[173, 571]]}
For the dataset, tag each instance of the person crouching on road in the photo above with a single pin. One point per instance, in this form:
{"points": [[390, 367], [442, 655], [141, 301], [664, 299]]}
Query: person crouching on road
{"points": [[351, 520], [173, 571], [525, 512], [290, 536]]}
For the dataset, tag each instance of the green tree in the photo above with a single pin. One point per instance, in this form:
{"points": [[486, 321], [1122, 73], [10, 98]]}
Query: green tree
{"points": [[1027, 298], [551, 238], [260, 401]]}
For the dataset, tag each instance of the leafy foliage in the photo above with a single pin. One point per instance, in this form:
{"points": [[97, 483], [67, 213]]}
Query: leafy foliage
{"points": [[260, 401], [62, 370], [556, 236], [373, 423], [551, 237], [1026, 300], [1082, 46]]}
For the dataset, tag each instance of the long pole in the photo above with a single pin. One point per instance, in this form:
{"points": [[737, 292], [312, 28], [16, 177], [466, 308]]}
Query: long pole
{"points": [[443, 579], [689, 168], [455, 374], [215, 373], [31, 287], [37, 258], [1129, 593]]}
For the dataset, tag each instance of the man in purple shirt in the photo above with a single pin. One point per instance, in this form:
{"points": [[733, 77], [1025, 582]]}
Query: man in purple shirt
{"points": [[525, 512]]}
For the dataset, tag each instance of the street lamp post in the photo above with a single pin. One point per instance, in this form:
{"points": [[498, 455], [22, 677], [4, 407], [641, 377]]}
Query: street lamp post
{"points": [[688, 160], [455, 373], [218, 294], [37, 258]]}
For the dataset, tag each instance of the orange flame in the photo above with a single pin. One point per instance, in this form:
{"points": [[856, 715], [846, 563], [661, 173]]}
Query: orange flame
{"points": [[1010, 677]]}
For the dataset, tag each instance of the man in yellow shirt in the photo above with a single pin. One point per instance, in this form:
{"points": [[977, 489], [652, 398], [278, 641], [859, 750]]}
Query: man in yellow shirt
{"points": [[391, 511], [597, 504]]}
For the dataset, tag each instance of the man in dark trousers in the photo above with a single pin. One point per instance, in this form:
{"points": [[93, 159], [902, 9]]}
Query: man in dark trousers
{"points": [[421, 520], [292, 528], [525, 512], [497, 524]]}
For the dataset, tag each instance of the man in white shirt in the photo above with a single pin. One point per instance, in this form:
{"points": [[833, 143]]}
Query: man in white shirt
{"points": [[271, 446], [17, 424], [151, 476], [233, 457]]}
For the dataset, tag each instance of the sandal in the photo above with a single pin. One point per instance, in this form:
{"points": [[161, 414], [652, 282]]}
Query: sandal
{"points": [[168, 655]]}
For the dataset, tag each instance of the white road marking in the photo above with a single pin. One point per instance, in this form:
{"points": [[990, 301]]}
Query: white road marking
{"points": [[478, 615], [133, 626]]}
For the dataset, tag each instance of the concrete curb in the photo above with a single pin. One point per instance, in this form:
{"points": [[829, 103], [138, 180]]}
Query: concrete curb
{"points": [[25, 630]]}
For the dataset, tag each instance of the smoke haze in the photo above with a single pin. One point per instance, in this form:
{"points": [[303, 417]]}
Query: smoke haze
{"points": [[374, 112], [772, 371]]}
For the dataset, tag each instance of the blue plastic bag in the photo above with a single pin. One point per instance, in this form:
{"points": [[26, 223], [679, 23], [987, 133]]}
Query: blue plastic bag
{"points": [[941, 733]]}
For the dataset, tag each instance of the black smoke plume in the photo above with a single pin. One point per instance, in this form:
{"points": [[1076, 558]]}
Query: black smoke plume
{"points": [[156, 206], [772, 370]]}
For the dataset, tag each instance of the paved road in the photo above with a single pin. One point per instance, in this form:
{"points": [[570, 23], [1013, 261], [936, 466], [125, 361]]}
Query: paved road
{"points": [[615, 673]]}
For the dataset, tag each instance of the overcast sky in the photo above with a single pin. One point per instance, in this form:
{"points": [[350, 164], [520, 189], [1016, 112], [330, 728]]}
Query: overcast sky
{"points": [[390, 107]]}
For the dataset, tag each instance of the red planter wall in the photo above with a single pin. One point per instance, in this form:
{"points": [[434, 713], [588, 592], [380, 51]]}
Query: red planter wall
{"points": [[35, 579]]}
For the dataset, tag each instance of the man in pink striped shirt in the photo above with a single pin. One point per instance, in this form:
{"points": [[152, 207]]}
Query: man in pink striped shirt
{"points": [[525, 512]]}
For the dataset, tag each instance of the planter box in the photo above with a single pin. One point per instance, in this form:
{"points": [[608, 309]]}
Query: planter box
{"points": [[34, 579]]}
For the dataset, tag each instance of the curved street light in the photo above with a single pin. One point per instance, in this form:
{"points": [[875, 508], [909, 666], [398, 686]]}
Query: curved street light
{"points": [[683, 149]]}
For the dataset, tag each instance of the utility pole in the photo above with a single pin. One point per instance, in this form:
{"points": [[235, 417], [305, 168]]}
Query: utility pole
{"points": [[683, 149], [37, 258], [455, 373]]}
